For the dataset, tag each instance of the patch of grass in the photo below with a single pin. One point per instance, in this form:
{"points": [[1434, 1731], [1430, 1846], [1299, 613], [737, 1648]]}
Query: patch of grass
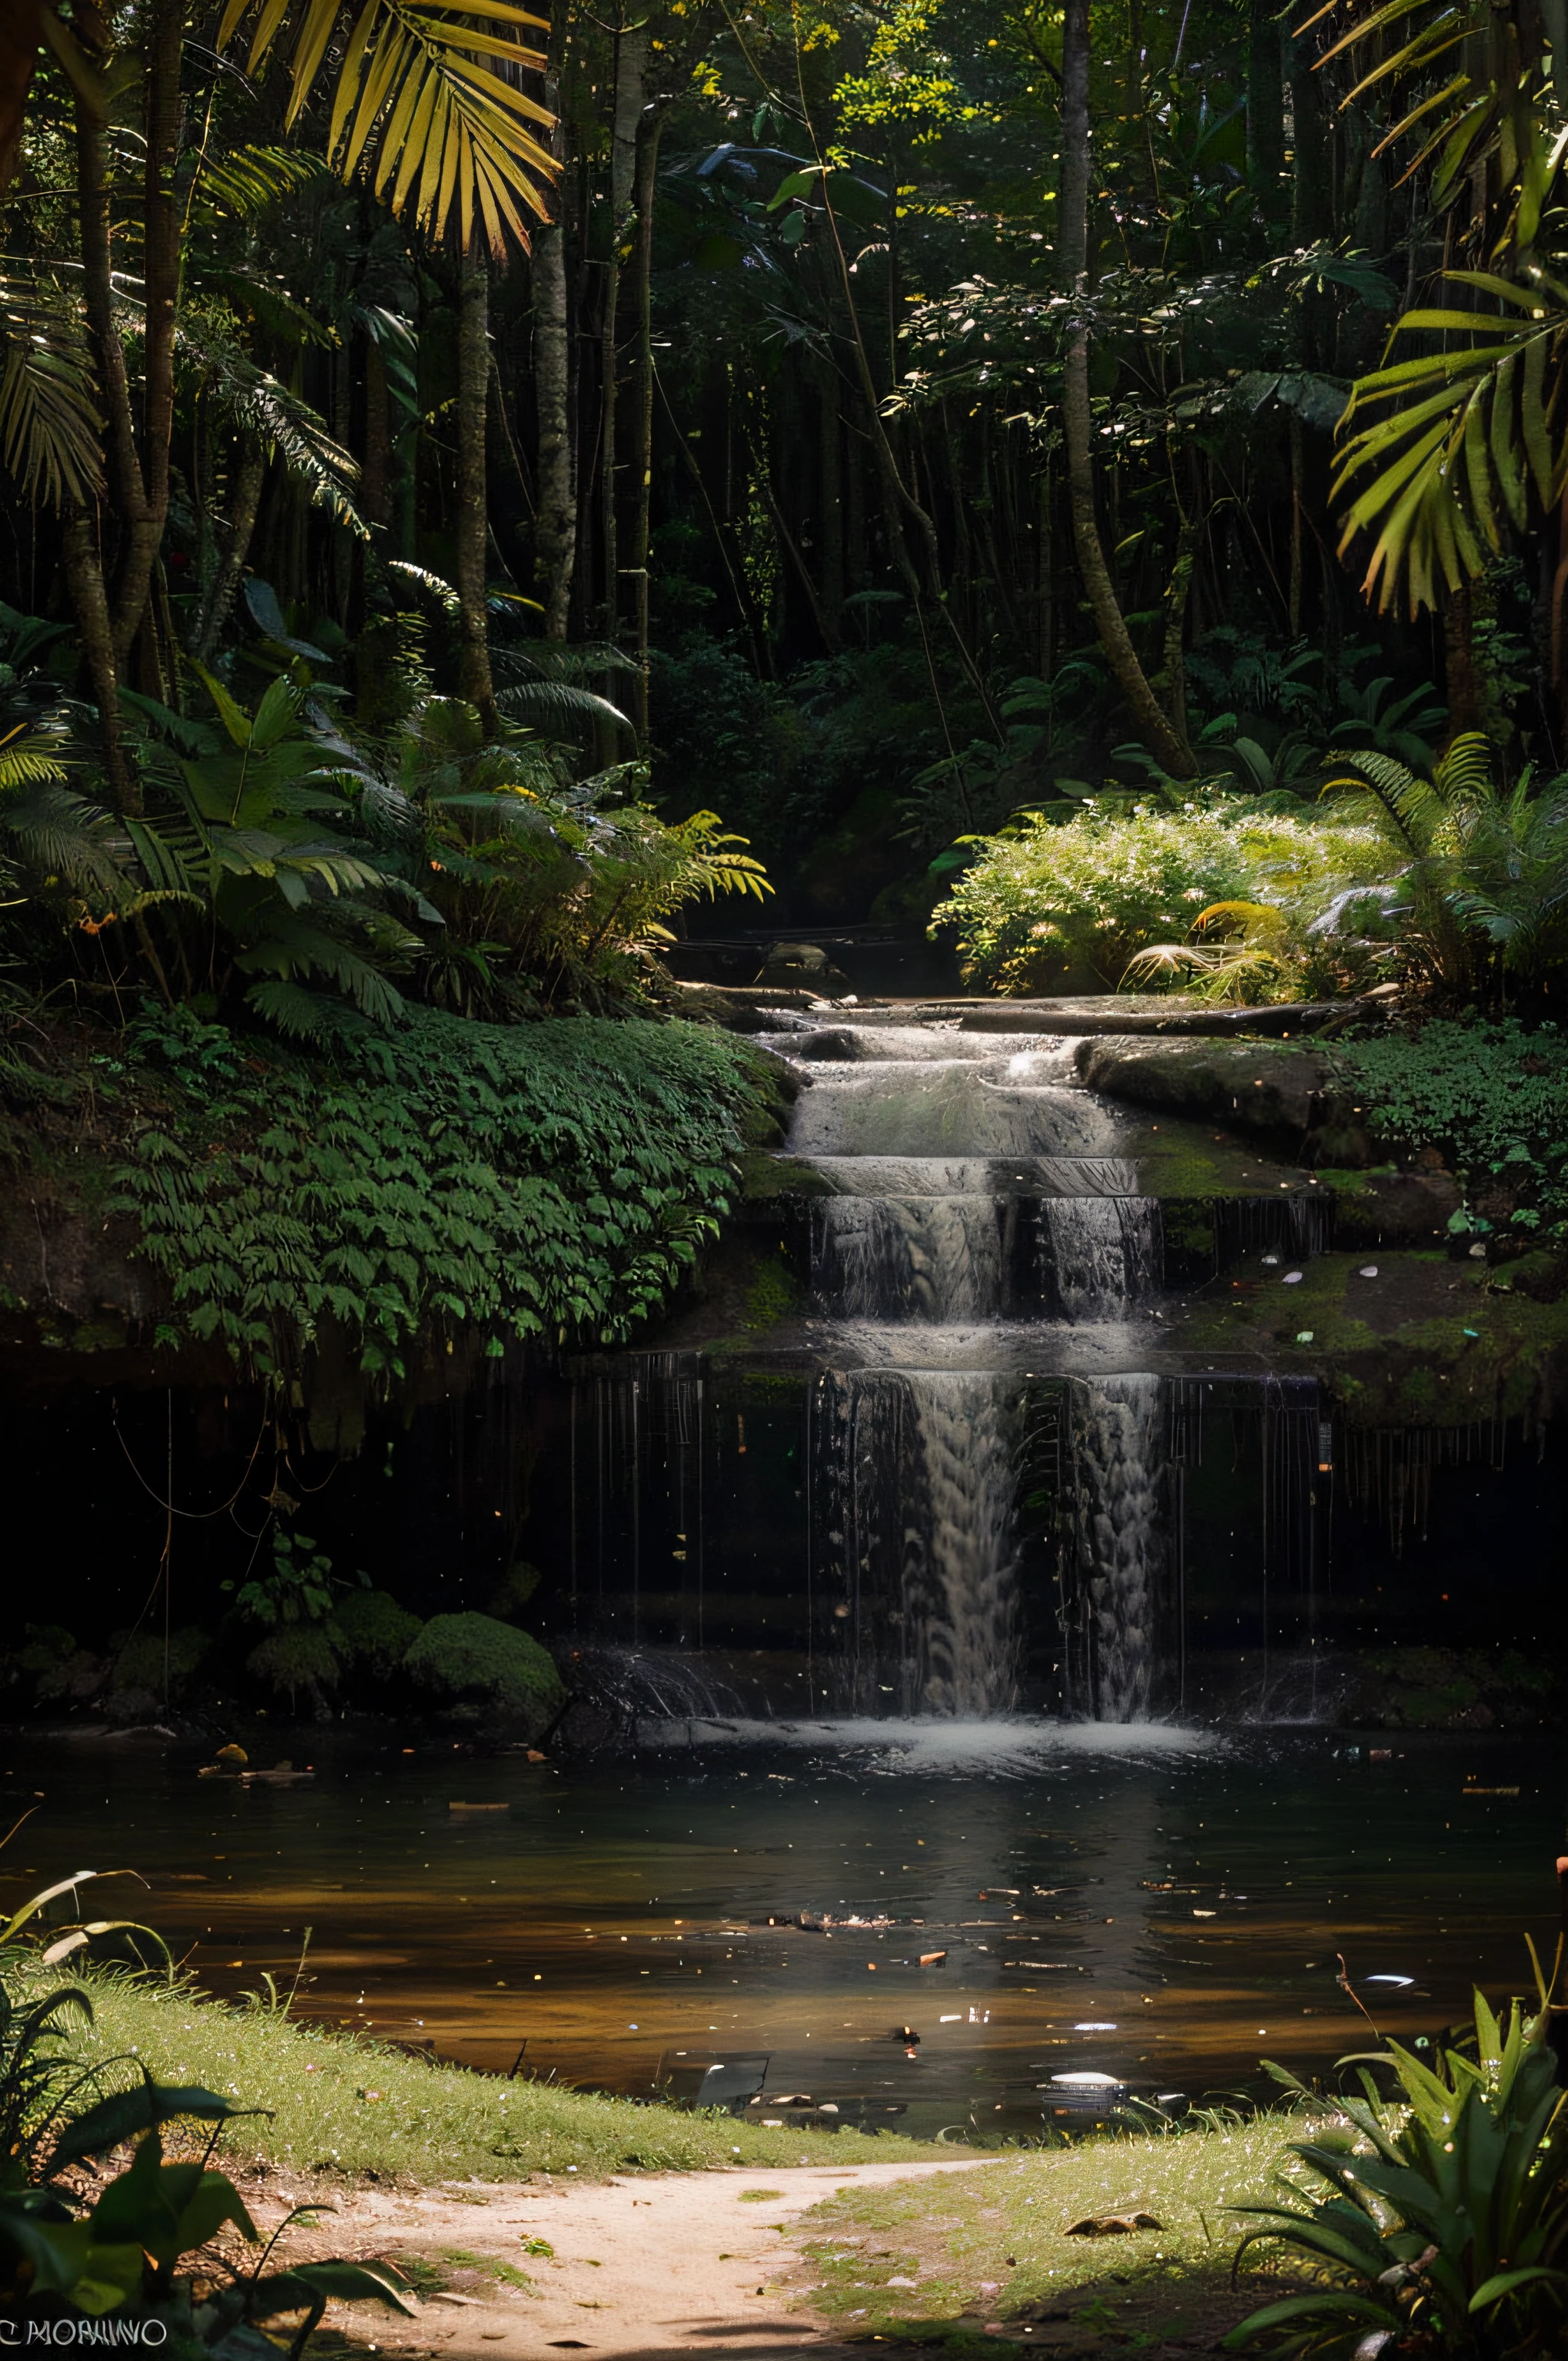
{"points": [[504, 2274], [991, 2244], [338, 2102], [758, 2196]]}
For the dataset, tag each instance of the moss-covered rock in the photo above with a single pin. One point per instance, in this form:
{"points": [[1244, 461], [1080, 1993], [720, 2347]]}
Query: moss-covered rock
{"points": [[139, 1663], [477, 1663], [1267, 1086], [369, 1630], [299, 1662]]}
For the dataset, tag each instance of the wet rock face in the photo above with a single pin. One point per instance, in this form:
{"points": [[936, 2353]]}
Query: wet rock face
{"points": [[1396, 1209], [1260, 1086]]}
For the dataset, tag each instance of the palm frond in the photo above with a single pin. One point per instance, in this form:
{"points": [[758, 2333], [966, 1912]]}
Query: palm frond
{"points": [[555, 704], [49, 425], [244, 181], [1468, 441], [420, 108], [254, 400]]}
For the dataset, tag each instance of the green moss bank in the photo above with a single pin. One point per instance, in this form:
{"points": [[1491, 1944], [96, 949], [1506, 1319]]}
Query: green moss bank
{"points": [[188, 1185]]}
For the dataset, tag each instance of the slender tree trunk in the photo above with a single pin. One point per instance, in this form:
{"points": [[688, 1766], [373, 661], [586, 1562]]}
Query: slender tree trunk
{"points": [[631, 49], [376, 474], [1266, 111], [245, 503], [830, 516], [1311, 177], [556, 527], [473, 512], [148, 508], [1165, 742], [1460, 676], [82, 563], [647, 184]]}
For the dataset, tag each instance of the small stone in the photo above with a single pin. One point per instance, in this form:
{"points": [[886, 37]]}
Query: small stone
{"points": [[1294, 1277], [1368, 1270]]}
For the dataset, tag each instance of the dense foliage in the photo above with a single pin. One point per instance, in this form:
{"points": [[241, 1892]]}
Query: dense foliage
{"points": [[1437, 2218], [1047, 902], [550, 1180], [1491, 1099]]}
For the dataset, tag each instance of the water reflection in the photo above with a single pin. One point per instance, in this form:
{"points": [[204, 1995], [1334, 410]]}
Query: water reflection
{"points": [[1143, 1902]]}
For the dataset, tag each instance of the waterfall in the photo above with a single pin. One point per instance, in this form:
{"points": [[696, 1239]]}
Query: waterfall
{"points": [[917, 1507], [969, 1627], [1120, 1517], [936, 1490], [1101, 1253], [908, 1258]]}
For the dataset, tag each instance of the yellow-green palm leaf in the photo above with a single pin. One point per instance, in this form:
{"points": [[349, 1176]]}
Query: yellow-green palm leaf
{"points": [[426, 104], [1461, 441]]}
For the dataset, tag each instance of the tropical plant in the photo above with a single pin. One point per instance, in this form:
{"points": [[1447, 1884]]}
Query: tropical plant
{"points": [[1236, 950], [1449, 450], [1445, 2228], [1486, 863], [300, 1588]]}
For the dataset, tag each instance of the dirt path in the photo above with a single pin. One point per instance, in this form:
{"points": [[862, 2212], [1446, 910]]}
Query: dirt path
{"points": [[668, 2264]]}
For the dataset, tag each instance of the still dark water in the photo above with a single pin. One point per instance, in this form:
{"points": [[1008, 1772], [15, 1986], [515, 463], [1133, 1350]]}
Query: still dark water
{"points": [[1160, 1904]]}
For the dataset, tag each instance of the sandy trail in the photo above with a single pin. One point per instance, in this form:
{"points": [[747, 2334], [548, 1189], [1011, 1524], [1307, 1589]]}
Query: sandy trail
{"points": [[660, 2265]]}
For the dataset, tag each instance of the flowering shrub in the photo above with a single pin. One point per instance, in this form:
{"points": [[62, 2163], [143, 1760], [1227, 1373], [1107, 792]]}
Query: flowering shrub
{"points": [[1049, 901]]}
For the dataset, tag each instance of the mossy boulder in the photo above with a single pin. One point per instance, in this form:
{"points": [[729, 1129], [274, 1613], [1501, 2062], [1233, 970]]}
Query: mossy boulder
{"points": [[480, 1667], [370, 1630], [1267, 1086], [299, 1662], [137, 1662]]}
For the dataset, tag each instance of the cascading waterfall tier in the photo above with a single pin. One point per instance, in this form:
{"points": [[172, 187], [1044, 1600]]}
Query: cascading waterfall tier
{"points": [[940, 1491]]}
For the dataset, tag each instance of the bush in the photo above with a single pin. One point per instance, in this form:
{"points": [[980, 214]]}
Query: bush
{"points": [[475, 1662], [368, 1628], [1046, 898], [298, 1662]]}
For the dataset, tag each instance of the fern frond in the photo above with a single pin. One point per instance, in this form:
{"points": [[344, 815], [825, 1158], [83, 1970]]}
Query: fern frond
{"points": [[51, 432], [253, 398]]}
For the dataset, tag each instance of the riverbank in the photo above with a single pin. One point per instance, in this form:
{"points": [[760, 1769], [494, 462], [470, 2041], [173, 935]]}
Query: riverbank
{"points": [[336, 2105]]}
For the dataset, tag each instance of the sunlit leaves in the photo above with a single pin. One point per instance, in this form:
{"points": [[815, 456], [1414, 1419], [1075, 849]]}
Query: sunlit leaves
{"points": [[48, 418], [1470, 440], [426, 104]]}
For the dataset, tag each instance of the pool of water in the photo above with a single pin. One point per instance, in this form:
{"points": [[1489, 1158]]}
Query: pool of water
{"points": [[1163, 1904]]}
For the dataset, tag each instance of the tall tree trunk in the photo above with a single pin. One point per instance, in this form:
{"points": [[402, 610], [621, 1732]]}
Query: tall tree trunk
{"points": [[1266, 111], [555, 528], [1165, 742], [632, 50], [642, 461], [1461, 675], [831, 510], [87, 563], [148, 508], [473, 512]]}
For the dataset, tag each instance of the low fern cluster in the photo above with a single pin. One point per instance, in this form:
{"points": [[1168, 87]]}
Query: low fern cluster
{"points": [[1493, 1098], [544, 1180]]}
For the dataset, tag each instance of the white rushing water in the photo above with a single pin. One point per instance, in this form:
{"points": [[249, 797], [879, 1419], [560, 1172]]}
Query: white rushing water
{"points": [[976, 1186], [1105, 1253], [1117, 1429], [971, 1619]]}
